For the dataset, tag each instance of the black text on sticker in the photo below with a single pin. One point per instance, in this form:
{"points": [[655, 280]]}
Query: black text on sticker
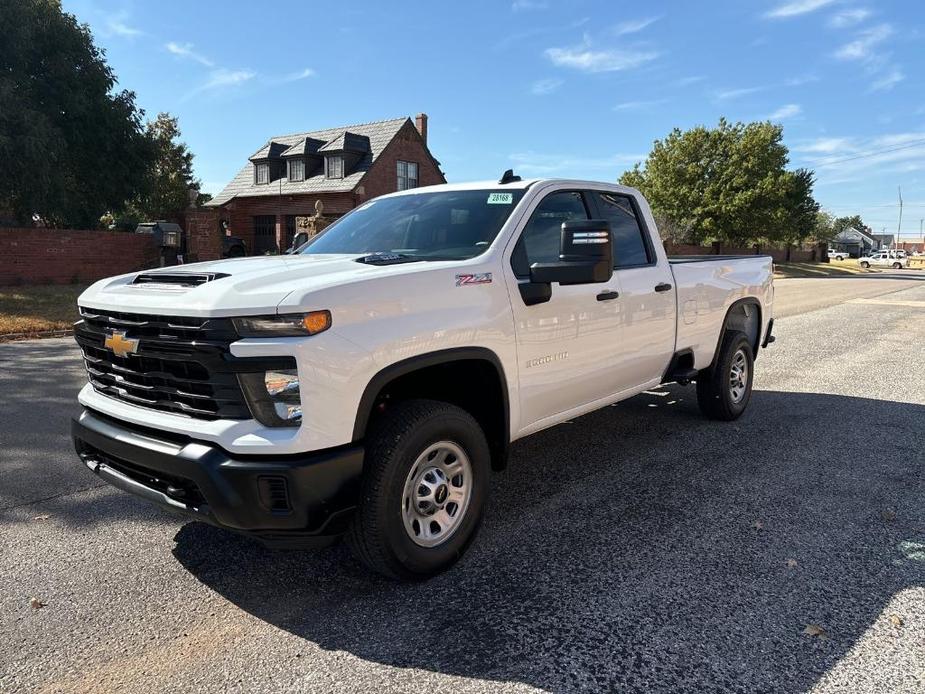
{"points": [[476, 278]]}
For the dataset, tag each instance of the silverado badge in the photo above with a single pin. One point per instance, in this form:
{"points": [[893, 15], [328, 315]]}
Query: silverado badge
{"points": [[120, 345]]}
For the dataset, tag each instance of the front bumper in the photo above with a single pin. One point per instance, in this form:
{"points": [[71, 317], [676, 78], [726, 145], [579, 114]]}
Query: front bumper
{"points": [[290, 501]]}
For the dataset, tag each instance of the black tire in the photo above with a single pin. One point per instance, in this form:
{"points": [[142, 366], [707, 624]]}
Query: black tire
{"points": [[865, 265], [897, 266], [714, 394], [377, 534], [839, 258]]}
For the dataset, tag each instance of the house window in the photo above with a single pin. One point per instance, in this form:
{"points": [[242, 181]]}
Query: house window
{"points": [[296, 169], [407, 175], [335, 167], [262, 174]]}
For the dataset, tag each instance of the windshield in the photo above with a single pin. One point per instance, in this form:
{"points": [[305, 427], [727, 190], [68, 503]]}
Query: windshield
{"points": [[447, 225]]}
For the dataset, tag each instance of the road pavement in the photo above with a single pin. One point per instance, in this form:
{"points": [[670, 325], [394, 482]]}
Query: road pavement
{"points": [[638, 548]]}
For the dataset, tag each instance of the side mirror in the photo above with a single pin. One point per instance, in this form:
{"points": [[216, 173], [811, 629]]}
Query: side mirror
{"points": [[585, 255]]}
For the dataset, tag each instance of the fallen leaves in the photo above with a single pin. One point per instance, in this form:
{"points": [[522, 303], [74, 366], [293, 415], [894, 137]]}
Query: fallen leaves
{"points": [[896, 620], [792, 563], [888, 515], [758, 525], [37, 604], [814, 630]]}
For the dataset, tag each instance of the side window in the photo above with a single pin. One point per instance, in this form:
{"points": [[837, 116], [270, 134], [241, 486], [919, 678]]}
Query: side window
{"points": [[629, 243], [540, 240]]}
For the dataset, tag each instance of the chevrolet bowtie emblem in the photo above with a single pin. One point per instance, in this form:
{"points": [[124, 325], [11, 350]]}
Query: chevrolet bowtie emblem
{"points": [[121, 345]]}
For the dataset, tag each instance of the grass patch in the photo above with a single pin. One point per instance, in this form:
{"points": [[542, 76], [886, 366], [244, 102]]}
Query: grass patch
{"points": [[26, 311]]}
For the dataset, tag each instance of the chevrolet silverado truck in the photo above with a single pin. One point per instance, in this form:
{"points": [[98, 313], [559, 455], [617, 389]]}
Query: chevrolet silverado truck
{"points": [[367, 384]]}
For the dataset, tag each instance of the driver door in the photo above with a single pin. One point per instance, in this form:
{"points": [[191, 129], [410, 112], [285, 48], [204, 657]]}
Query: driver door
{"points": [[566, 345]]}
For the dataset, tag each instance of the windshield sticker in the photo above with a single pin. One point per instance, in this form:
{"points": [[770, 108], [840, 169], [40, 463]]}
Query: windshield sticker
{"points": [[500, 198], [477, 278]]}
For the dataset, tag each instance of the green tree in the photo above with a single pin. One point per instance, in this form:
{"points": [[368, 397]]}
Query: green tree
{"points": [[729, 183], [849, 222], [71, 147], [166, 192]]}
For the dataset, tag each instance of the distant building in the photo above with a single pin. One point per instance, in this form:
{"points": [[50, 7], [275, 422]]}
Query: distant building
{"points": [[854, 242], [884, 240], [279, 187]]}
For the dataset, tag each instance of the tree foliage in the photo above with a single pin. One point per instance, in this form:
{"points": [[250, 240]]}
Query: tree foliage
{"points": [[71, 147], [729, 183], [166, 189]]}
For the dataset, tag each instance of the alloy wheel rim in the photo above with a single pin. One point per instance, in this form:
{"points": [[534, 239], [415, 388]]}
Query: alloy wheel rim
{"points": [[738, 377], [436, 494]]}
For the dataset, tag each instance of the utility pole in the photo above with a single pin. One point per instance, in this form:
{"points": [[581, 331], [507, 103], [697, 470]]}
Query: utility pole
{"points": [[900, 225]]}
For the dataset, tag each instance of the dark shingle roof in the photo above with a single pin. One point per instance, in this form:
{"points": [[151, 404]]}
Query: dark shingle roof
{"points": [[375, 136], [347, 142], [307, 145]]}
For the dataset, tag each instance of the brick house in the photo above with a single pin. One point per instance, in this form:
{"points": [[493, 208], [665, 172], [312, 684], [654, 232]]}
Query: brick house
{"points": [[279, 186]]}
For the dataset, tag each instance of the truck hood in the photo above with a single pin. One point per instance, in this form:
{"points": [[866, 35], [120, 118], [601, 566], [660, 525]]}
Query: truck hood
{"points": [[241, 286]]}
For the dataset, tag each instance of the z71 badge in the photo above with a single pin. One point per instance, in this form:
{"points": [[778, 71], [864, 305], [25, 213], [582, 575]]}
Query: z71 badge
{"points": [[477, 278]]}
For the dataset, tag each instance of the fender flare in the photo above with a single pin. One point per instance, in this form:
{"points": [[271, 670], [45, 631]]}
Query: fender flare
{"points": [[747, 301], [423, 361]]}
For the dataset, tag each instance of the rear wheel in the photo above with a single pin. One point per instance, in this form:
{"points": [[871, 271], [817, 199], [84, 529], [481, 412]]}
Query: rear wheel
{"points": [[839, 258], [424, 487], [724, 389], [897, 266], [865, 264]]}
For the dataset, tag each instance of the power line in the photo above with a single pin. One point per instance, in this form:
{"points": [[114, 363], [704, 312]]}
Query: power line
{"points": [[908, 145]]}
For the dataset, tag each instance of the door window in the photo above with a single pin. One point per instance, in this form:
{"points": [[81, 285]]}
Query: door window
{"points": [[629, 241], [540, 241]]}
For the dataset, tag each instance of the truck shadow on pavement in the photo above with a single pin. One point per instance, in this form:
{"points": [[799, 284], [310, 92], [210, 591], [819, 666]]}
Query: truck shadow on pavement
{"points": [[639, 552]]}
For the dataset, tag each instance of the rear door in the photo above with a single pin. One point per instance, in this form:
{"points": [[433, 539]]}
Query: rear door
{"points": [[647, 294], [566, 346]]}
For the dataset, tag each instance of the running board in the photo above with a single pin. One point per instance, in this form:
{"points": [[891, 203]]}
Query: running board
{"points": [[682, 376]]}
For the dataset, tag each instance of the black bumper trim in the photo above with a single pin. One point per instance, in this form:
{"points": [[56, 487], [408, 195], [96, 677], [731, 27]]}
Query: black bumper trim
{"points": [[768, 337], [202, 481]]}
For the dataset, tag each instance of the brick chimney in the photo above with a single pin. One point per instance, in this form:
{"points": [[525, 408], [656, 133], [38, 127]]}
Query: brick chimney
{"points": [[420, 122]]}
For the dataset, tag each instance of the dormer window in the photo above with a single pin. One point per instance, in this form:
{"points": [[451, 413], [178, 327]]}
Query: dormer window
{"points": [[296, 169], [407, 175], [262, 173], [335, 167]]}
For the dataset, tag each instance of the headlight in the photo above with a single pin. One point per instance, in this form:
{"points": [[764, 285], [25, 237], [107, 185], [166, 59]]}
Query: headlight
{"points": [[285, 325], [274, 397]]}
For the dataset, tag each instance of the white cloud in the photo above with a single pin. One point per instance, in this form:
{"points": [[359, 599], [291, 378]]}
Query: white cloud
{"points": [[824, 145], [728, 94], [862, 48], [185, 50], [633, 26], [687, 81], [888, 80], [847, 18], [222, 78], [522, 5], [120, 28], [796, 8], [639, 105], [586, 59], [547, 86], [786, 111], [840, 158], [801, 80], [300, 75], [532, 163]]}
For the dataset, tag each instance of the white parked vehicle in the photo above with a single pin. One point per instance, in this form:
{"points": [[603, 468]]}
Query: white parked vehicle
{"points": [[894, 259], [368, 383], [838, 255]]}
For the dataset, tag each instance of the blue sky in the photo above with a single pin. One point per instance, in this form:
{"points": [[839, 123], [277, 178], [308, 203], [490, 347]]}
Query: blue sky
{"points": [[552, 88]]}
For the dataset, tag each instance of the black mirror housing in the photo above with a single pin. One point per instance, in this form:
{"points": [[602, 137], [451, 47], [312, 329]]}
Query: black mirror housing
{"points": [[585, 255]]}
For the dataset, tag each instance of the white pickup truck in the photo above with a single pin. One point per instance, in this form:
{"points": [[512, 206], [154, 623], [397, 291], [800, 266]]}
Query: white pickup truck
{"points": [[368, 383]]}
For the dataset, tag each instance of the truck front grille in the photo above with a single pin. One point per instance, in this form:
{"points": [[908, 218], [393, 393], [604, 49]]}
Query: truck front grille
{"points": [[180, 365]]}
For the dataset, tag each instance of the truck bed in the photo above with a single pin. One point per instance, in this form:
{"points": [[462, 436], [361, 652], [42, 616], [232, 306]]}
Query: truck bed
{"points": [[679, 259]]}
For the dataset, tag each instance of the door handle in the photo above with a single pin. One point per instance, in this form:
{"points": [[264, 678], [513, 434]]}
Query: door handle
{"points": [[663, 287], [608, 295]]}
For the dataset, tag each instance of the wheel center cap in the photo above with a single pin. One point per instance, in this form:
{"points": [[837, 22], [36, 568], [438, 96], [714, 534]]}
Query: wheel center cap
{"points": [[441, 494]]}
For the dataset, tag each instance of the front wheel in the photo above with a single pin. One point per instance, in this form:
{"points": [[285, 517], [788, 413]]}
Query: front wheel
{"points": [[425, 483], [839, 258], [724, 389], [897, 266], [865, 265]]}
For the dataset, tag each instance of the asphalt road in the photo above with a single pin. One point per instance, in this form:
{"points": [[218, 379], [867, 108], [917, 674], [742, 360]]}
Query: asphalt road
{"points": [[638, 548]]}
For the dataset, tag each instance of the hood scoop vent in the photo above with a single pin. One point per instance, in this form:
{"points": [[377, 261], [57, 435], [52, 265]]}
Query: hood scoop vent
{"points": [[383, 258], [178, 279]]}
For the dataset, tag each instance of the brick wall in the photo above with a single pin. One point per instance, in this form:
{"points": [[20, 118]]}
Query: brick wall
{"points": [[779, 255], [203, 234], [407, 145], [62, 256]]}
